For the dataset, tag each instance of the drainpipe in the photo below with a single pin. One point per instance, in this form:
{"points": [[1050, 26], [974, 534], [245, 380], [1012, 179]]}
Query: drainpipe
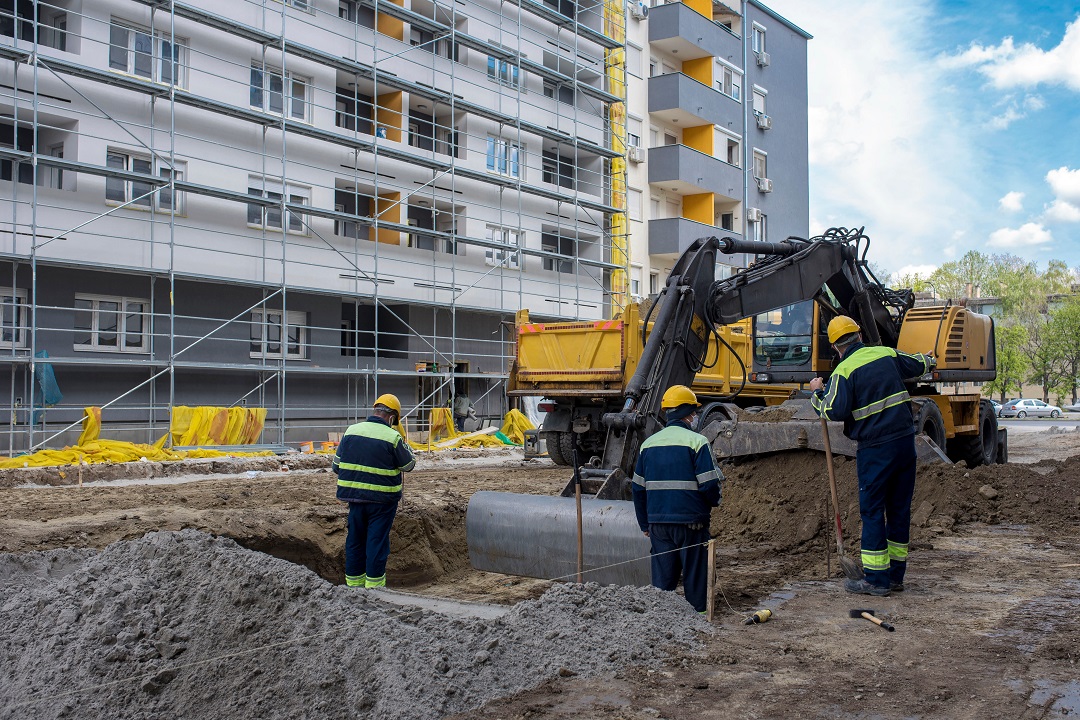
{"points": [[748, 153]]}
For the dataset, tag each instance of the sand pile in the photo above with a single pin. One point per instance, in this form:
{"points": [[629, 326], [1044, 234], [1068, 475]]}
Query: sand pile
{"points": [[183, 624]]}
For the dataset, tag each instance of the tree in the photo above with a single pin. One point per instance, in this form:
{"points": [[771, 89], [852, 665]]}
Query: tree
{"points": [[1011, 363], [909, 280], [952, 279], [1045, 365], [1065, 331]]}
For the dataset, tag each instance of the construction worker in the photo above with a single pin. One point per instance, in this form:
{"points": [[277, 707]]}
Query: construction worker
{"points": [[369, 464], [675, 487], [867, 392], [463, 410]]}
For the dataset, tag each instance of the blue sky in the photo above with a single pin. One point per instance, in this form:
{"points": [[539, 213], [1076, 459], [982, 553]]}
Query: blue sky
{"points": [[945, 126]]}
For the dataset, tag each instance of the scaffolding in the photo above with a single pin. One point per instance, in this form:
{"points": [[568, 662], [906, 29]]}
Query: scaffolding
{"points": [[415, 173]]}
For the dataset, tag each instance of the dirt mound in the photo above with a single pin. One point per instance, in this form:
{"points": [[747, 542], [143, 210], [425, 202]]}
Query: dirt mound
{"points": [[766, 415], [188, 625]]}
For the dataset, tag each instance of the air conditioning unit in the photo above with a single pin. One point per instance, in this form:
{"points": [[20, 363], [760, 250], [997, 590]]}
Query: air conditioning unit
{"points": [[635, 154], [764, 184], [639, 10], [753, 215], [764, 122], [762, 59]]}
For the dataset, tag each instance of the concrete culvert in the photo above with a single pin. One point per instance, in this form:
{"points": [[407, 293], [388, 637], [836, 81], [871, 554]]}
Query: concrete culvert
{"points": [[183, 624]]}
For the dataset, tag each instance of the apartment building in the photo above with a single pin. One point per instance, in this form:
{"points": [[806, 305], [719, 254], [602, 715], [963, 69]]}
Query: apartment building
{"points": [[295, 205], [716, 128], [301, 204]]}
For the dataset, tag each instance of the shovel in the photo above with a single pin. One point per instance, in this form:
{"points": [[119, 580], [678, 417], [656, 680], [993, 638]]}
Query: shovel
{"points": [[850, 567]]}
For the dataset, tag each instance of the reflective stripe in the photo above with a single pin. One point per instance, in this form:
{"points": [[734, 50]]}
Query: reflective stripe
{"points": [[884, 404], [369, 486], [638, 480], [367, 469], [671, 485], [863, 356], [825, 405], [676, 436], [875, 559], [376, 430], [355, 580], [921, 357], [898, 551], [705, 477], [376, 582]]}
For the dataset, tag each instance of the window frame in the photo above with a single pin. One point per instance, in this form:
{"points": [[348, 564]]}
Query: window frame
{"points": [[157, 169], [17, 297], [757, 38], [633, 208], [265, 91], [759, 92], [121, 331], [498, 155], [158, 40], [558, 265], [504, 257], [259, 318], [292, 190], [504, 72], [764, 157], [634, 139]]}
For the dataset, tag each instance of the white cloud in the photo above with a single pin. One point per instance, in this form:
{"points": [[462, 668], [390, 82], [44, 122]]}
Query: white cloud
{"points": [[889, 147], [1065, 183], [1062, 211], [1007, 65], [1026, 236], [1012, 202], [923, 271], [1016, 111]]}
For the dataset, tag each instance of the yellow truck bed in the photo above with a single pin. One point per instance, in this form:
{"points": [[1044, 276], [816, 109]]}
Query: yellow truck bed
{"points": [[597, 358]]}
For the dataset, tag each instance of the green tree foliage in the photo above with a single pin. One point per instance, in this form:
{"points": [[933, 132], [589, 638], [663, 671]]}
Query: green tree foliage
{"points": [[1065, 331], [1012, 364]]}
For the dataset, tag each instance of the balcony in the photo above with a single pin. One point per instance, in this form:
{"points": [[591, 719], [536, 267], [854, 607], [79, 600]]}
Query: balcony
{"points": [[686, 171], [681, 100], [672, 236], [676, 28]]}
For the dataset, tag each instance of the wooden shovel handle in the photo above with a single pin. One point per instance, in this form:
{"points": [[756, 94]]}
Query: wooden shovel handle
{"points": [[832, 485]]}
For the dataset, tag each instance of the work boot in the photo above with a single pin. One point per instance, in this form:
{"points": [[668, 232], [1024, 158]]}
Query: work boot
{"points": [[862, 587], [896, 586]]}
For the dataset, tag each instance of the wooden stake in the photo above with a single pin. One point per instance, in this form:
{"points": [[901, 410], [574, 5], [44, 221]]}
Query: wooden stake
{"points": [[711, 580], [80, 469]]}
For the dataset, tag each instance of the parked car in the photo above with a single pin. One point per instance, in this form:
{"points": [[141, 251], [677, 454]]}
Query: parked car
{"points": [[997, 407], [1023, 408], [1071, 408]]}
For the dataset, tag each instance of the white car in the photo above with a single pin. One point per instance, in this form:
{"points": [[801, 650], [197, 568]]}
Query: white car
{"points": [[1023, 408]]}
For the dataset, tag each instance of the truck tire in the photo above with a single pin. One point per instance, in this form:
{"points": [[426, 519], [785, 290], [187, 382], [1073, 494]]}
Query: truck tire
{"points": [[981, 449], [554, 447], [928, 421]]}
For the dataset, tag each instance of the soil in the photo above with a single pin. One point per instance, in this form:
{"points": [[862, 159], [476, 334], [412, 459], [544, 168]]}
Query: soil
{"points": [[984, 627]]}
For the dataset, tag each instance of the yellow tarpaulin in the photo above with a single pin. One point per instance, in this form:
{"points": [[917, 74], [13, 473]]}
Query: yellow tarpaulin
{"points": [[91, 425], [514, 426], [206, 425]]}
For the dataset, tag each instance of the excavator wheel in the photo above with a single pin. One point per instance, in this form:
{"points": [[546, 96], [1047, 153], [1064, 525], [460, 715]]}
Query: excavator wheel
{"points": [[554, 447], [981, 449], [928, 420]]}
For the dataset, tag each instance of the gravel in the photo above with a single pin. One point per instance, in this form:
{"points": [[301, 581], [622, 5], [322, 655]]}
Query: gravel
{"points": [[187, 625]]}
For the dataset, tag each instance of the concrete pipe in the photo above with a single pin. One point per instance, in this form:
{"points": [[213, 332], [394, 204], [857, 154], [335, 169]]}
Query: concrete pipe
{"points": [[536, 536]]}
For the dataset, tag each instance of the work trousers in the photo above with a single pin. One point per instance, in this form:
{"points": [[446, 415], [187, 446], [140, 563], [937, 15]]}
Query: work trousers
{"points": [[886, 484], [678, 550], [367, 545]]}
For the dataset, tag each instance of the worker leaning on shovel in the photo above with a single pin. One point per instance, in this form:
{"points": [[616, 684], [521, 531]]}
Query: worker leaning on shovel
{"points": [[675, 487], [369, 464], [867, 392]]}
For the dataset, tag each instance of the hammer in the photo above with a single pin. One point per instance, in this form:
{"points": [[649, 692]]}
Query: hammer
{"points": [[869, 615]]}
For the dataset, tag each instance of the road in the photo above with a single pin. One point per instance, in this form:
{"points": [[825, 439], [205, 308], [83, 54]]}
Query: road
{"points": [[1030, 424]]}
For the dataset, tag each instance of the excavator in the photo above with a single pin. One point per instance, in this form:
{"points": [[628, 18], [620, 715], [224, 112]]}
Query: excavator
{"points": [[791, 292]]}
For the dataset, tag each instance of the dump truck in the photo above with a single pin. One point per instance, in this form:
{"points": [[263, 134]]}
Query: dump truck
{"points": [[790, 293], [581, 370]]}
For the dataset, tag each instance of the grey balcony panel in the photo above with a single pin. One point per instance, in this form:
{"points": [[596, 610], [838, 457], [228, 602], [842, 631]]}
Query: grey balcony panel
{"points": [[683, 101], [676, 26], [688, 171]]}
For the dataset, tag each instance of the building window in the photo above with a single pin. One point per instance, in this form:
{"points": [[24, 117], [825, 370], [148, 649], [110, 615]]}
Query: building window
{"points": [[504, 257], [559, 245], [305, 5], [760, 164], [270, 327], [52, 177], [633, 132], [734, 153], [759, 101], [51, 25], [654, 283], [13, 315], [633, 204], [505, 156], [149, 54], [559, 170], [633, 60], [141, 194], [564, 93], [760, 233], [354, 12], [729, 82], [758, 39], [505, 72], [635, 280], [269, 216], [112, 324], [279, 93]]}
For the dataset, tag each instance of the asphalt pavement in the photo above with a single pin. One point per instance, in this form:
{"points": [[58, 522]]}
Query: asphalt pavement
{"points": [[1032, 424]]}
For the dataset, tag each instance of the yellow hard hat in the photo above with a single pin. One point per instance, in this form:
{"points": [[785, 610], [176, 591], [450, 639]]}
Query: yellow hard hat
{"points": [[389, 401], [676, 396], [840, 326]]}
